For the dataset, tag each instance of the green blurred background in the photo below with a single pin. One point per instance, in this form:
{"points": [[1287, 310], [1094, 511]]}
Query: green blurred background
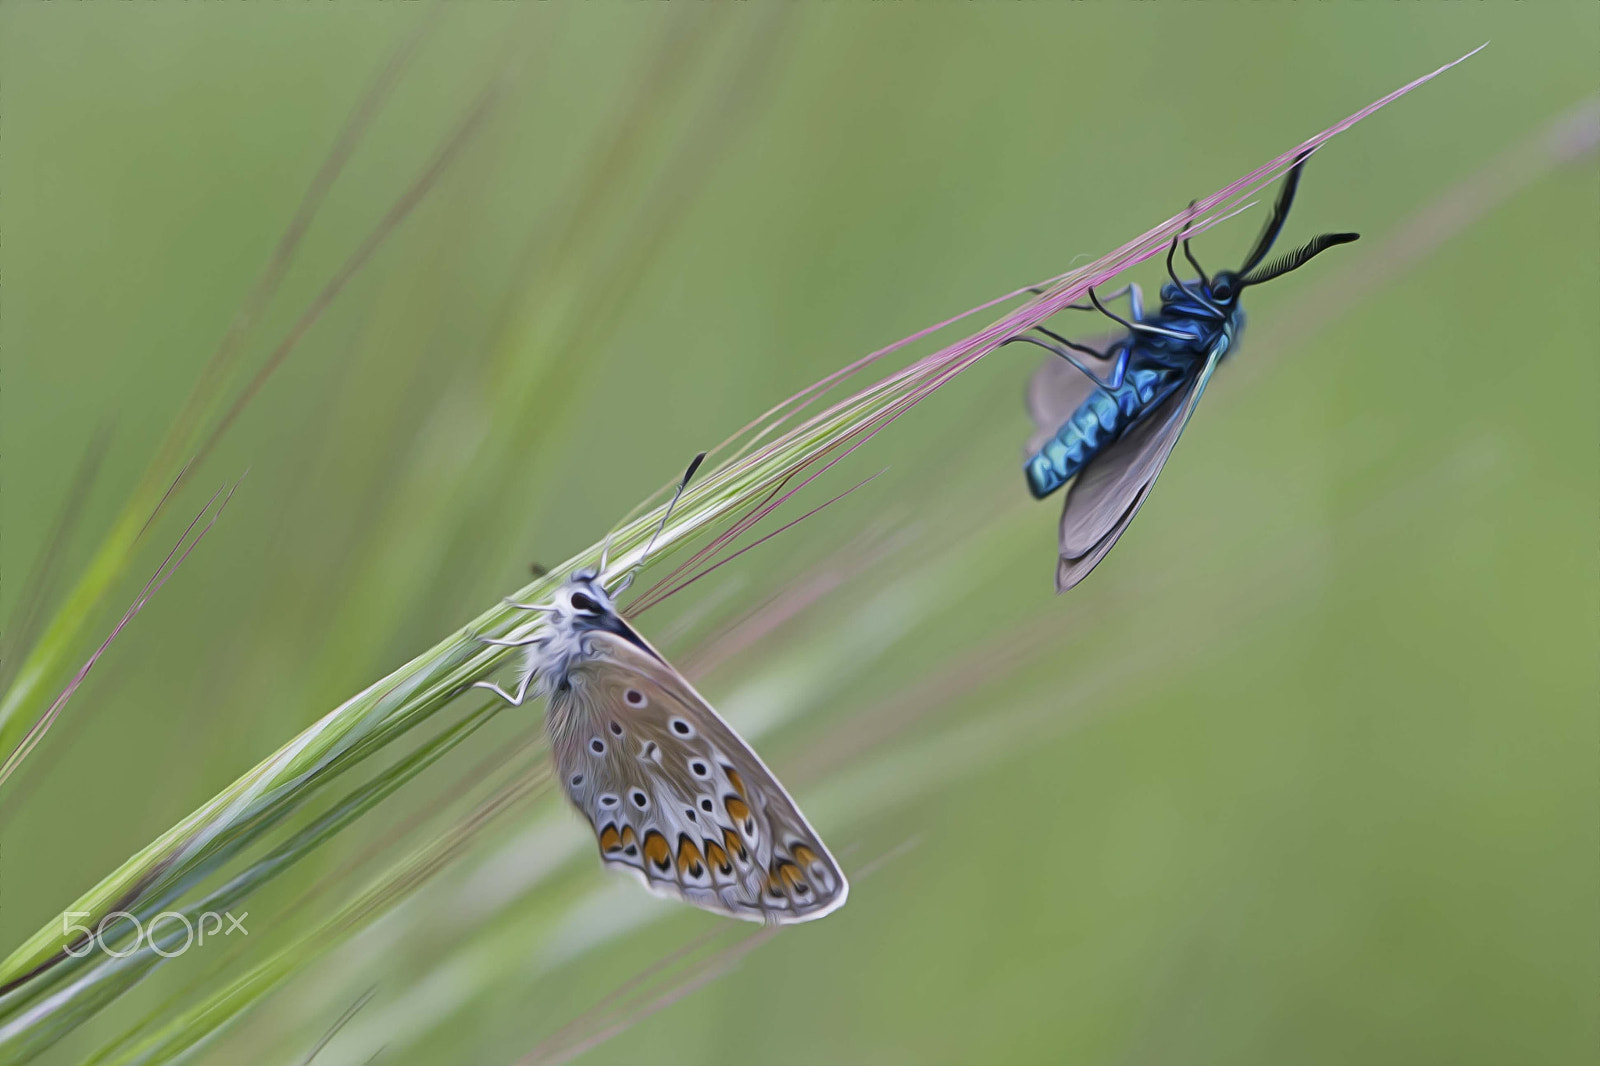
{"points": [[1306, 772]]}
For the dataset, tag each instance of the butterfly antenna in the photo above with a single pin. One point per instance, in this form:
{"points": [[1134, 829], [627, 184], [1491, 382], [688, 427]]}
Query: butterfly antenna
{"points": [[694, 464]]}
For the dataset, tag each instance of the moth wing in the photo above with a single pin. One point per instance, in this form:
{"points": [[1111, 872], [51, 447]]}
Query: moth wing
{"points": [[1056, 390], [1108, 492], [676, 797]]}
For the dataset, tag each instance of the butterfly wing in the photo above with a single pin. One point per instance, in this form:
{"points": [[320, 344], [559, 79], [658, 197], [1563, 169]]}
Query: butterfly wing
{"points": [[1109, 491], [676, 798], [1055, 391]]}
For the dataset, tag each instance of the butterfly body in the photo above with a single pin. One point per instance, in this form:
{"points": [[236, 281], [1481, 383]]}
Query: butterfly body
{"points": [[674, 796], [1110, 436]]}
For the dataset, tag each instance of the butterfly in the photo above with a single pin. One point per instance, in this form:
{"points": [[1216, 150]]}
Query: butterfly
{"points": [[673, 794], [1110, 436]]}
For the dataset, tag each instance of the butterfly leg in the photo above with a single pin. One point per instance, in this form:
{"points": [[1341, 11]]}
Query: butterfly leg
{"points": [[499, 643], [516, 700], [509, 602]]}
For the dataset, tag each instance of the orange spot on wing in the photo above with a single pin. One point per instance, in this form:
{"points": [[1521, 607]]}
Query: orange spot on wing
{"points": [[804, 855], [627, 836], [737, 810], [718, 858], [690, 864], [734, 779], [735, 845], [657, 851], [788, 874], [610, 839]]}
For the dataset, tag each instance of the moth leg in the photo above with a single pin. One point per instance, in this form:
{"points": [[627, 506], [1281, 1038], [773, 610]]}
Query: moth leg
{"points": [[515, 701], [1135, 326], [1183, 235], [1131, 290], [1121, 358], [1135, 297], [1061, 346]]}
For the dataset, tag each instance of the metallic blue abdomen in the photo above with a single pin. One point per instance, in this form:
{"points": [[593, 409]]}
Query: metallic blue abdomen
{"points": [[1099, 420]]}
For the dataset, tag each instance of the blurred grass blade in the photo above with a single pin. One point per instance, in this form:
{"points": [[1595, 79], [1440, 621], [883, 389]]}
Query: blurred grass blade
{"points": [[581, 262], [719, 965], [635, 1000], [40, 583], [165, 1036], [174, 461], [465, 128], [339, 1023], [344, 145], [175, 558], [97, 979]]}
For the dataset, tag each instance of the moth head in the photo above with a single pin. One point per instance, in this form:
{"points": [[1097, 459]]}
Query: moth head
{"points": [[1219, 295], [1224, 289]]}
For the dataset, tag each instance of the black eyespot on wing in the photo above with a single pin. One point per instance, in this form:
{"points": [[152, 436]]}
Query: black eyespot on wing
{"points": [[616, 729], [640, 800], [597, 746], [608, 801], [682, 728], [705, 804], [577, 780], [634, 697], [689, 812], [698, 768]]}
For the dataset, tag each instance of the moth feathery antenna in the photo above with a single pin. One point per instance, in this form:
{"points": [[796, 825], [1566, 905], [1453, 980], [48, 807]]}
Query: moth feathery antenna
{"points": [[694, 464], [1297, 258], [1280, 211]]}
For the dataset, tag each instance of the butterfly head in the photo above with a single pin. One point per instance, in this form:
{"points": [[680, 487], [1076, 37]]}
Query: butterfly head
{"points": [[580, 607], [583, 600]]}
